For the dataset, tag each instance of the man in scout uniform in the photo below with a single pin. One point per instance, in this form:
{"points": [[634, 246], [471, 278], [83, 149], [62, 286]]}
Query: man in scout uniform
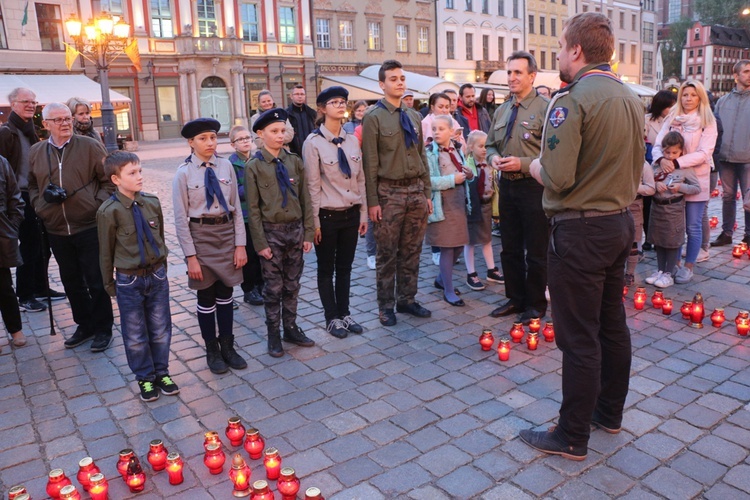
{"points": [[590, 166], [514, 140], [281, 225], [398, 194]]}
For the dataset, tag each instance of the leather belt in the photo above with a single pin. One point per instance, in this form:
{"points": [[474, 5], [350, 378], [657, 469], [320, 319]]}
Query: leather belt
{"points": [[668, 201], [514, 176], [141, 271], [400, 182], [583, 214], [212, 221]]}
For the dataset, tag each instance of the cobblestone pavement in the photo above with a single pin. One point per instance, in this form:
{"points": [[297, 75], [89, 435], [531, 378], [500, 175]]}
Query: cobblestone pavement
{"points": [[413, 411]]}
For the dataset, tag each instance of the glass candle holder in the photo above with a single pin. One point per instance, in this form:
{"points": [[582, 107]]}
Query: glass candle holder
{"points": [[136, 478], [239, 474], [69, 492], [697, 311], [685, 309], [717, 317], [157, 455], [235, 431], [254, 443], [549, 332], [657, 299], [313, 494], [666, 307], [124, 460], [624, 292], [98, 487], [175, 466], [713, 221], [86, 469], [516, 333], [261, 491], [288, 484], [214, 458], [211, 437], [503, 349], [272, 462], [56, 480], [486, 340], [639, 298], [532, 341], [737, 251], [743, 327], [535, 324], [16, 491]]}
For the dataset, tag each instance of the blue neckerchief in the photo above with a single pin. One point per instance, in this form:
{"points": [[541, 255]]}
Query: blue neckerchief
{"points": [[213, 189], [343, 162], [410, 134], [282, 177], [141, 228]]}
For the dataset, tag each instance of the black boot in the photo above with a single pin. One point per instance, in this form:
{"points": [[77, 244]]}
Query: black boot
{"points": [[230, 355], [295, 335], [275, 349], [213, 356]]}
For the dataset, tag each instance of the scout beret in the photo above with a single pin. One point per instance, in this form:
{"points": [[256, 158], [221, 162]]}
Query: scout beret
{"points": [[268, 117], [200, 125], [332, 93]]}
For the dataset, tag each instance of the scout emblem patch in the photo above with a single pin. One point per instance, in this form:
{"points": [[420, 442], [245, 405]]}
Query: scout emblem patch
{"points": [[152, 223], [552, 142], [527, 136], [557, 116]]}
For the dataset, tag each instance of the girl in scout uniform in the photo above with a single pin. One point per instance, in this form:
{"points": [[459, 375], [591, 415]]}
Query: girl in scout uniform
{"points": [[336, 181], [211, 232]]}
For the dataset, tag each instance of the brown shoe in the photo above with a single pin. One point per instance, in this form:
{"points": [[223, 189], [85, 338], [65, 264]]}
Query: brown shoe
{"points": [[18, 339]]}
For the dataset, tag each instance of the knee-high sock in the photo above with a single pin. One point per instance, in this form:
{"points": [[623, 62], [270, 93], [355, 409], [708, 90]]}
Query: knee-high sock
{"points": [[489, 256], [224, 316], [447, 260], [469, 258], [207, 322]]}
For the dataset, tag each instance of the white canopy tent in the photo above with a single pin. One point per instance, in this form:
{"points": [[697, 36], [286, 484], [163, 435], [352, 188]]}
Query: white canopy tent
{"points": [[549, 78], [414, 81], [642, 90], [359, 87], [59, 88]]}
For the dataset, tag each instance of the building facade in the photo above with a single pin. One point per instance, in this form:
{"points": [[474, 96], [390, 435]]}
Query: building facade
{"points": [[477, 36], [710, 54], [350, 36], [199, 58], [544, 25]]}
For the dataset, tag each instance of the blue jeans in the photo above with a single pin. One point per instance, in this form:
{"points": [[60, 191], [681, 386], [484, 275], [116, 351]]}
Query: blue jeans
{"points": [[731, 174], [694, 226], [146, 322]]}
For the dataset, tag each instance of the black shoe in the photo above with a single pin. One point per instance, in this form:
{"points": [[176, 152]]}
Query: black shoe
{"points": [[351, 325], [549, 442], [79, 337], [148, 390], [31, 305], [336, 328], [647, 246], [214, 358], [253, 298], [414, 309], [599, 423], [229, 354], [101, 342], [275, 349], [473, 282], [165, 384], [387, 317], [746, 239], [295, 335], [722, 239], [506, 310], [235, 305], [457, 302], [528, 314], [440, 286], [53, 295], [494, 276]]}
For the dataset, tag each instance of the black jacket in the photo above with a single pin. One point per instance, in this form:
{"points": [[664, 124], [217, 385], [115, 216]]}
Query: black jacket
{"points": [[10, 145], [299, 132], [11, 215]]}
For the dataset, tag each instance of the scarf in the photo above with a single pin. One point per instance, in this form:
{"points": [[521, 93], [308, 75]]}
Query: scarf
{"points": [[25, 127], [688, 123], [213, 188], [343, 162], [86, 129], [410, 133], [142, 231], [282, 177]]}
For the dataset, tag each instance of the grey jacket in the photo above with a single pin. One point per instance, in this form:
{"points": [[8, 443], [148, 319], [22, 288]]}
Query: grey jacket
{"points": [[734, 111]]}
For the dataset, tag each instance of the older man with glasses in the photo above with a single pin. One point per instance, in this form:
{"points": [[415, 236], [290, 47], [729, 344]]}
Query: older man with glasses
{"points": [[67, 185], [17, 136]]}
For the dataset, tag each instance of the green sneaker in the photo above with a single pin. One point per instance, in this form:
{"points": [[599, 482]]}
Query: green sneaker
{"points": [[148, 390], [166, 385]]}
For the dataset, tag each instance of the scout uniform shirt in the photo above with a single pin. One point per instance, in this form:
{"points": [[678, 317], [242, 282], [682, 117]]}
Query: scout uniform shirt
{"points": [[329, 188], [384, 150], [526, 137], [264, 196], [582, 168], [118, 239]]}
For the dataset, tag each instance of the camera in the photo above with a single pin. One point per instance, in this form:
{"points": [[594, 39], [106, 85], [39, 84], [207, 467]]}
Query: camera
{"points": [[54, 194]]}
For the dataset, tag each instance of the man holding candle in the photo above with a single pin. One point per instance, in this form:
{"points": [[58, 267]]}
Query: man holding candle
{"points": [[598, 121]]}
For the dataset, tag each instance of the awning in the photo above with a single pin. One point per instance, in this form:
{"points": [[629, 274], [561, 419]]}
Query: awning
{"points": [[58, 88], [415, 82], [642, 90], [549, 78], [360, 88]]}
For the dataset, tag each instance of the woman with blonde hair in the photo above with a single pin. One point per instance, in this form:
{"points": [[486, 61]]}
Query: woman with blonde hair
{"points": [[80, 108], [691, 116]]}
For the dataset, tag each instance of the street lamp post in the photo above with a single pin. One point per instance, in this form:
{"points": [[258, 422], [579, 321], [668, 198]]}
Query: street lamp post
{"points": [[101, 41]]}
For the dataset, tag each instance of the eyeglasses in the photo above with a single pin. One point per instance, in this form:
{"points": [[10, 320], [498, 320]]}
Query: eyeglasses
{"points": [[337, 104], [28, 103], [60, 121], [242, 139]]}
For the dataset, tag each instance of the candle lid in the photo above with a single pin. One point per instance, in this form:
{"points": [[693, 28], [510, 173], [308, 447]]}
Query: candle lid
{"points": [[156, 442], [252, 431], [85, 462], [126, 452], [270, 452], [67, 491], [238, 462], [312, 491], [260, 485], [17, 490], [56, 473], [173, 456], [504, 339], [96, 478], [234, 420], [213, 446], [287, 472], [23, 496]]}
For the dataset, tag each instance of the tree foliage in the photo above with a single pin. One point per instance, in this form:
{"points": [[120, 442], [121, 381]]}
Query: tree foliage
{"points": [[671, 51], [724, 12]]}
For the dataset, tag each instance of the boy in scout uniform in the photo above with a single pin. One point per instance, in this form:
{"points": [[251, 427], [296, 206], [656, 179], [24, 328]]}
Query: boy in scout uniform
{"points": [[133, 261], [281, 226], [590, 166], [514, 140], [398, 194]]}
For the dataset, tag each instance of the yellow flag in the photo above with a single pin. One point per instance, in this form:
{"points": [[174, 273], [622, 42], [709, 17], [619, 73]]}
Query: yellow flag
{"points": [[71, 55], [134, 54]]}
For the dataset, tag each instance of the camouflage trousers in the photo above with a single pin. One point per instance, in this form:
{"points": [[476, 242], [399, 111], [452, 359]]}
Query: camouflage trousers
{"points": [[399, 238], [282, 273]]}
